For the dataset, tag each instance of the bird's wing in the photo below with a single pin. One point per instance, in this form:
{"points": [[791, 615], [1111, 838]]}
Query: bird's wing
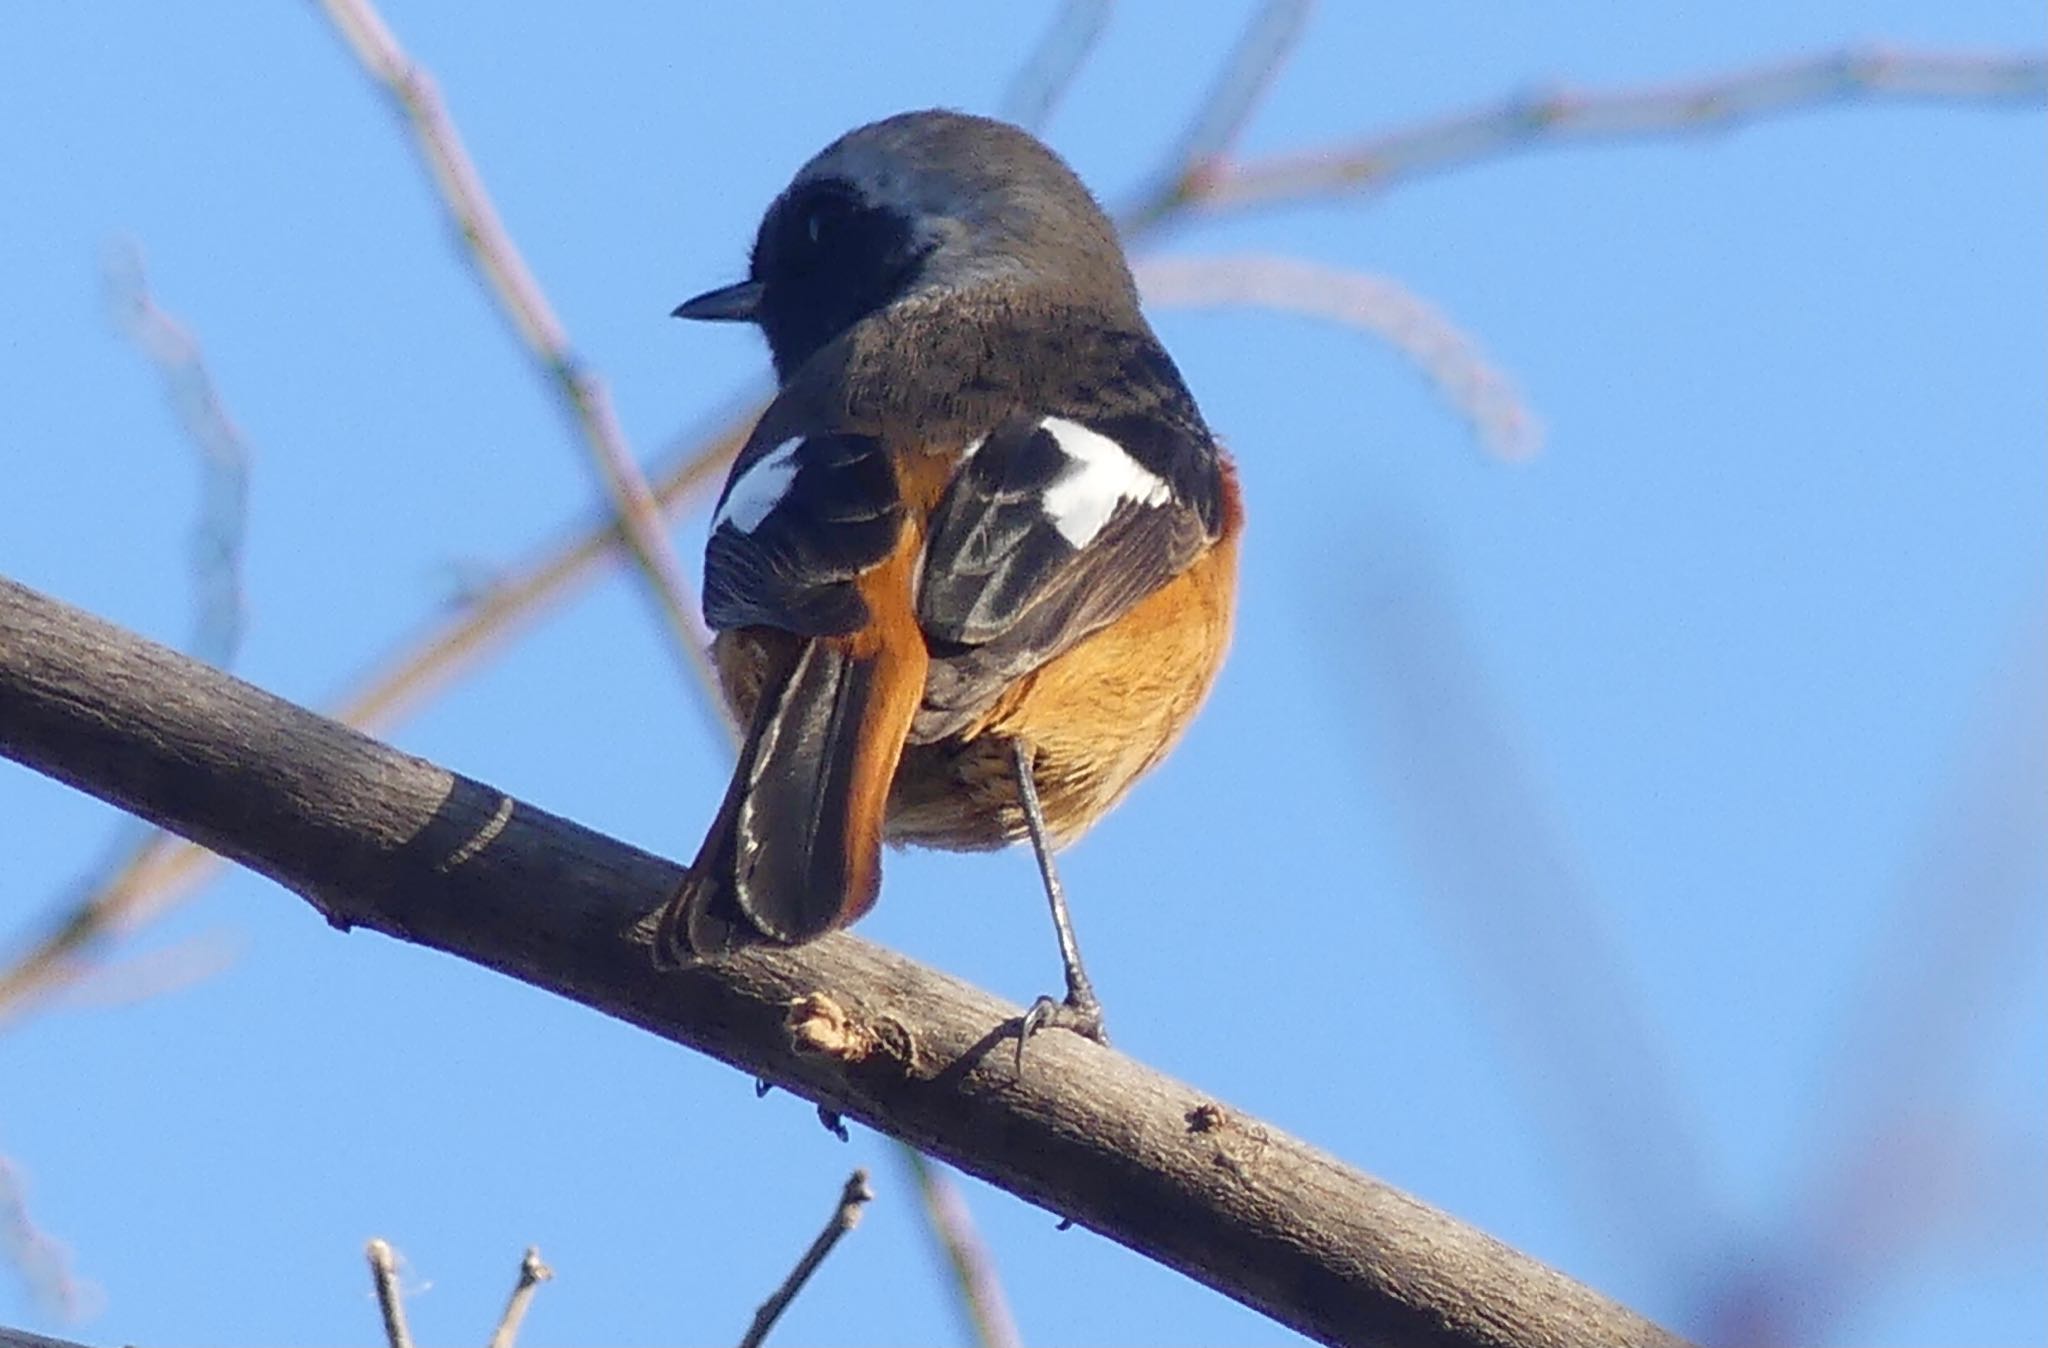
{"points": [[799, 520], [1052, 528]]}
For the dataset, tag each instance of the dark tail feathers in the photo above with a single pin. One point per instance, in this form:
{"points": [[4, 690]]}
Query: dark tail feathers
{"points": [[795, 850]]}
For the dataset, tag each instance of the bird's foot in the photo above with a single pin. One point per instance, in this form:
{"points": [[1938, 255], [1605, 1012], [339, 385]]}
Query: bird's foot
{"points": [[1080, 1013]]}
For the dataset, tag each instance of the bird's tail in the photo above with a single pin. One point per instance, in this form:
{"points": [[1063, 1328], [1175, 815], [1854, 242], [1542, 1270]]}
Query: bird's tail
{"points": [[795, 850]]}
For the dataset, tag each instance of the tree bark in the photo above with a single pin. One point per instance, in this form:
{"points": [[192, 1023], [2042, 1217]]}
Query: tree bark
{"points": [[375, 838]]}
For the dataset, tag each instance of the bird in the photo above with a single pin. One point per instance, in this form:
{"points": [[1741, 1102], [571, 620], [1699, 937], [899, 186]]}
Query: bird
{"points": [[974, 569]]}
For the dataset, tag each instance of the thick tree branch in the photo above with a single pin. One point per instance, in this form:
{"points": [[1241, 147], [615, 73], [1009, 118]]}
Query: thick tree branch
{"points": [[376, 838], [21, 1338]]}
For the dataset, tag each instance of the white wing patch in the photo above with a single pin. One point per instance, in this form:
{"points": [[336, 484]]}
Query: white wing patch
{"points": [[1101, 476], [759, 489]]}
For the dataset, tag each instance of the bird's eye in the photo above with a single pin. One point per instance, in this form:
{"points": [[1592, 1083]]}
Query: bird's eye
{"points": [[823, 218]]}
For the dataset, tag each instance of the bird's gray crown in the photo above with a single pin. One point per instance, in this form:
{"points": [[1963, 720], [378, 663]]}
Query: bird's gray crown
{"points": [[922, 205], [987, 200]]}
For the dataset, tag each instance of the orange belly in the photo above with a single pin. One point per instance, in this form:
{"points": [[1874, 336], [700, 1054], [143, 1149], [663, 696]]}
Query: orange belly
{"points": [[1099, 716]]}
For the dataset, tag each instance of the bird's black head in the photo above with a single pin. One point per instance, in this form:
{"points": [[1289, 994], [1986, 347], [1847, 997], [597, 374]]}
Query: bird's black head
{"points": [[824, 259], [919, 204]]}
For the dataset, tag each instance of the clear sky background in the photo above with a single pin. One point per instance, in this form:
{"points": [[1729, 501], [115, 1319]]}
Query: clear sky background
{"points": [[1636, 851]]}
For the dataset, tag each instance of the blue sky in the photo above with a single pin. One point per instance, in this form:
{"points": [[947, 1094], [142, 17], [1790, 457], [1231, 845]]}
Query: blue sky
{"points": [[1636, 852]]}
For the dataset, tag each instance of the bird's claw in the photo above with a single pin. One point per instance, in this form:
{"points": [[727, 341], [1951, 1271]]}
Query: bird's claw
{"points": [[1081, 1014]]}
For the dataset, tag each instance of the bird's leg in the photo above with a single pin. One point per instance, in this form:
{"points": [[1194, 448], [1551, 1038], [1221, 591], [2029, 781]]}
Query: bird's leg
{"points": [[1080, 1012]]}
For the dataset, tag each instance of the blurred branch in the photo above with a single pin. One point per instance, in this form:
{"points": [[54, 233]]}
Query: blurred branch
{"points": [[159, 972], [377, 838], [532, 1273], [1248, 72], [141, 880], [521, 300], [855, 1196], [979, 1291], [390, 1302], [1516, 907], [43, 1263], [1966, 928], [549, 576], [220, 535], [1568, 116], [1046, 75], [1444, 352]]}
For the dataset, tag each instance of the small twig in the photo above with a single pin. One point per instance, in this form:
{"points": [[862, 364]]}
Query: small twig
{"points": [[1046, 75], [220, 535], [384, 1274], [532, 1273], [980, 1291], [1565, 116], [1446, 353], [525, 305], [852, 1198]]}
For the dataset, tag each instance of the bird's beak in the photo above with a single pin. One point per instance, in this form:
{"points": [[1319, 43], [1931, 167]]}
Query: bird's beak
{"points": [[733, 304]]}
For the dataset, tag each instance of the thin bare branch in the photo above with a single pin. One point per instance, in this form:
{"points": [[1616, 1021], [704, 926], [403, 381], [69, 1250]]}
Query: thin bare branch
{"points": [[375, 838], [855, 1196], [1247, 74], [390, 1302], [521, 300], [532, 1273], [1446, 353], [220, 531], [1569, 116], [978, 1291], [1046, 75]]}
